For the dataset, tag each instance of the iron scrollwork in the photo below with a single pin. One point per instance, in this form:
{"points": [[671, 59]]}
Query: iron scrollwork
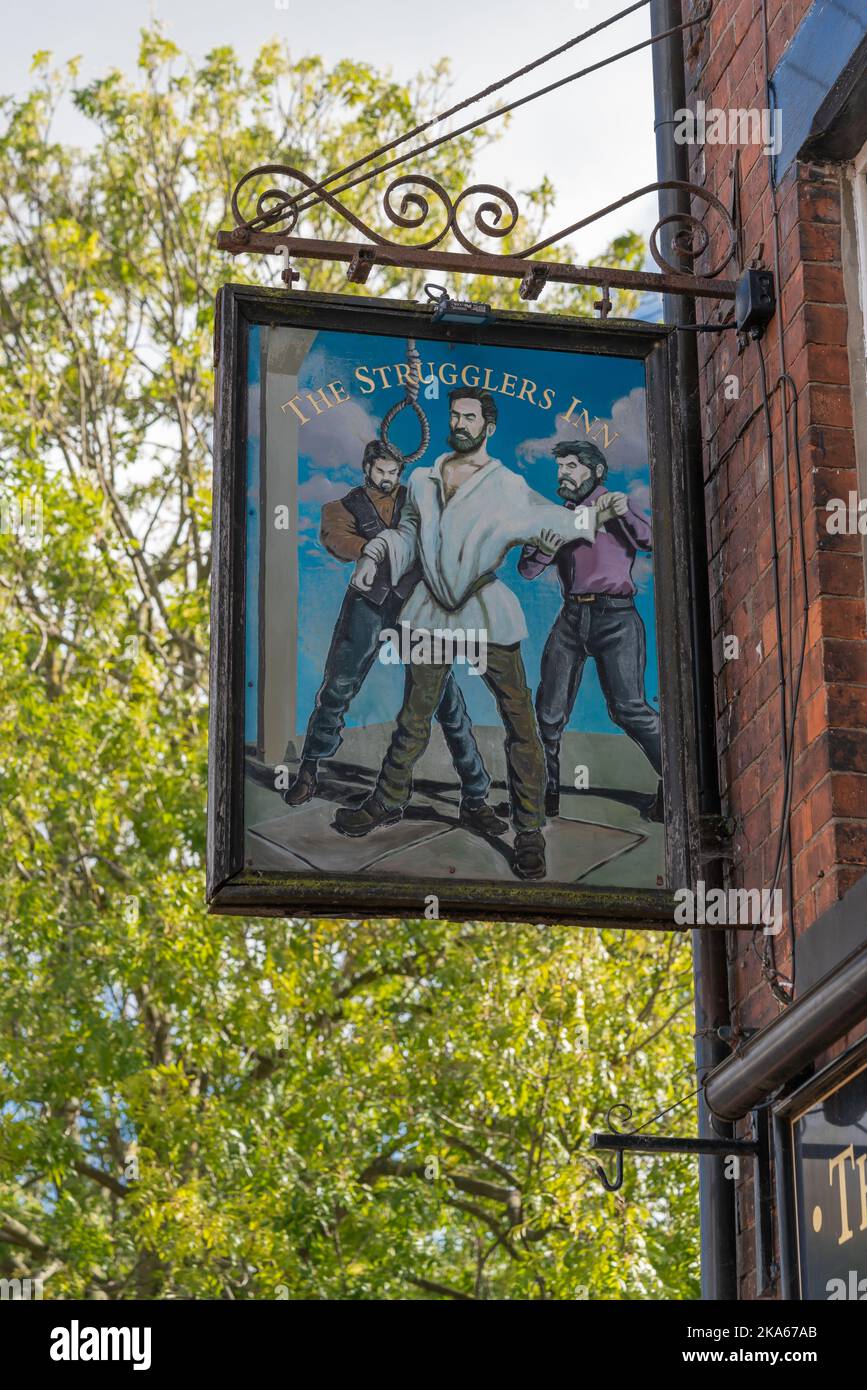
{"points": [[412, 200]]}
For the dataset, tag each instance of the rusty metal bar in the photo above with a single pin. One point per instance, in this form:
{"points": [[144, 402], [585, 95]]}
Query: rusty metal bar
{"points": [[464, 263]]}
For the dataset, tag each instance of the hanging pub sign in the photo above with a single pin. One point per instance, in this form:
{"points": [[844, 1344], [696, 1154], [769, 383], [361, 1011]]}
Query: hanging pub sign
{"points": [[451, 672]]}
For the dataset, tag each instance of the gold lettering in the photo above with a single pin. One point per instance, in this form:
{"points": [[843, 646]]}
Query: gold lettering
{"points": [[335, 387], [862, 1177], [368, 384], [527, 391], [448, 380], [508, 377], [290, 405], [838, 1162], [315, 396], [607, 439], [486, 384], [465, 380]]}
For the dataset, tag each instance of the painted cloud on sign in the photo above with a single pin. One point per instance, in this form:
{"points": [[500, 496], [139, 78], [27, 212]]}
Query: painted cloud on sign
{"points": [[627, 453]]}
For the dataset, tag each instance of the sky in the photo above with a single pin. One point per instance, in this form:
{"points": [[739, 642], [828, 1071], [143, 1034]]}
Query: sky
{"points": [[593, 138]]}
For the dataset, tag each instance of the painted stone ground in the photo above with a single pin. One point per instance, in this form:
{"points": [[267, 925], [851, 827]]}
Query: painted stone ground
{"points": [[599, 839]]}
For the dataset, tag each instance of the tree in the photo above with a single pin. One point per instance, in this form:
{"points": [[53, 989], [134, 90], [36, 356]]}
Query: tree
{"points": [[207, 1107]]}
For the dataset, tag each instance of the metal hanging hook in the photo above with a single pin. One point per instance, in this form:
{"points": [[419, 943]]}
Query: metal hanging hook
{"points": [[611, 1184]]}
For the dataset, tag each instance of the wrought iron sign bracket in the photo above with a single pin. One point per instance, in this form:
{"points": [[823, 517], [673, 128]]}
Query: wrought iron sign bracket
{"points": [[758, 1148], [268, 226], [534, 281], [361, 265], [716, 838], [663, 1143]]}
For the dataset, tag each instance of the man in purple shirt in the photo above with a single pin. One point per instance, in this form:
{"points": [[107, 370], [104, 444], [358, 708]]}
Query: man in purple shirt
{"points": [[598, 618]]}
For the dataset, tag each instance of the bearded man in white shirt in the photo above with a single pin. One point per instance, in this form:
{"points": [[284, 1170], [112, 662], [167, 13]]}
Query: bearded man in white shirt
{"points": [[459, 520]]}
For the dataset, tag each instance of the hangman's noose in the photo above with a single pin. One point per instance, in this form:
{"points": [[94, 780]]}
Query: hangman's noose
{"points": [[413, 361]]}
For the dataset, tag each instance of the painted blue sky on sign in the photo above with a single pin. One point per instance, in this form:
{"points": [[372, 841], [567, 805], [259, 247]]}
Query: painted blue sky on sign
{"points": [[329, 465]]}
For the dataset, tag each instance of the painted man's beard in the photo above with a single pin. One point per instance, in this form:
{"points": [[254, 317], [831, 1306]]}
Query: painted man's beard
{"points": [[463, 441], [576, 492], [386, 486]]}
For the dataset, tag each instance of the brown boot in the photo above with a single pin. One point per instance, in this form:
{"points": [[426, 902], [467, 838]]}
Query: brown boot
{"points": [[304, 786]]}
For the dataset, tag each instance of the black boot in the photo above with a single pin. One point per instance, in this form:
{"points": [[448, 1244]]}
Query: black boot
{"points": [[530, 854], [304, 785], [482, 818], [370, 815]]}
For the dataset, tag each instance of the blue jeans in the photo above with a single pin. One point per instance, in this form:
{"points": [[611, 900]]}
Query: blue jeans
{"points": [[355, 646], [612, 633]]}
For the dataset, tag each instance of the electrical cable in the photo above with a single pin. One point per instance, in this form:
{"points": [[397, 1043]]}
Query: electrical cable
{"points": [[704, 327], [787, 739], [770, 971]]}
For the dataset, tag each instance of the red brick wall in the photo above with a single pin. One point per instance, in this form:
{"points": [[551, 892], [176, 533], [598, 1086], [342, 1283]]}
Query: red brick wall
{"points": [[829, 813]]}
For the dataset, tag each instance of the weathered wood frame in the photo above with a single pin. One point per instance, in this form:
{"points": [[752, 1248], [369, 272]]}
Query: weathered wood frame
{"points": [[233, 888]]}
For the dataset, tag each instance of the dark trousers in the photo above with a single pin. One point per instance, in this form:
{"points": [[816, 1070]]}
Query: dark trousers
{"points": [[611, 632], [507, 682], [354, 647]]}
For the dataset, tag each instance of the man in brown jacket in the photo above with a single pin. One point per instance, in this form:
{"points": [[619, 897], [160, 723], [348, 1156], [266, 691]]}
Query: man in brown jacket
{"points": [[346, 527]]}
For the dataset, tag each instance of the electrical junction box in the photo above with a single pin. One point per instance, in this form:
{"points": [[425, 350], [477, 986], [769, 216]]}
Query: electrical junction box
{"points": [[755, 301]]}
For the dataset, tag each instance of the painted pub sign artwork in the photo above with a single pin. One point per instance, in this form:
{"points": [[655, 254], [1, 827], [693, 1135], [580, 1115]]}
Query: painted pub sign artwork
{"points": [[443, 555]]}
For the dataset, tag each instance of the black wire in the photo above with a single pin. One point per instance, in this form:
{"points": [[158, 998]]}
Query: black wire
{"points": [[703, 328], [796, 685], [785, 844], [781, 666]]}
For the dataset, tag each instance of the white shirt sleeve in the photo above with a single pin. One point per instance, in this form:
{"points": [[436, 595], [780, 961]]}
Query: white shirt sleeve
{"points": [[399, 543], [541, 515]]}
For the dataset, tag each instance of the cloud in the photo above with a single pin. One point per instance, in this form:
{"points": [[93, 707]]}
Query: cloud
{"points": [[639, 495], [642, 572], [320, 489], [628, 420], [337, 437]]}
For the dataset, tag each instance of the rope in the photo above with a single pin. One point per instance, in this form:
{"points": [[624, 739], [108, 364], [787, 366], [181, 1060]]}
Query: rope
{"points": [[413, 362]]}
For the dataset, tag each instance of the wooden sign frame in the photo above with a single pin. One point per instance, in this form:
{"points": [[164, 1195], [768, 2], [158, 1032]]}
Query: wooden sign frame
{"points": [[233, 886]]}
